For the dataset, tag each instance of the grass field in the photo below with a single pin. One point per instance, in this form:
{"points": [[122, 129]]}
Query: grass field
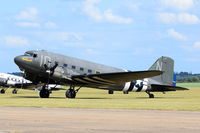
{"points": [[94, 98]]}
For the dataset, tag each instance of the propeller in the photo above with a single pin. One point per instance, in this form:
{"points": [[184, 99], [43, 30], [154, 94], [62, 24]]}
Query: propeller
{"points": [[50, 70]]}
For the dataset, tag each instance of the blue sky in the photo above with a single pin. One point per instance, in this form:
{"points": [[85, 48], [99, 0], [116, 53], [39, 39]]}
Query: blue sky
{"points": [[129, 34]]}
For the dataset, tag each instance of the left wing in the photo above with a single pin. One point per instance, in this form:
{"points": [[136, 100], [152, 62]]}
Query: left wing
{"points": [[114, 78]]}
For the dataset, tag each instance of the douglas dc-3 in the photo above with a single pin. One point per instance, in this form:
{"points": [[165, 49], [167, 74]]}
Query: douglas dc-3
{"points": [[50, 68]]}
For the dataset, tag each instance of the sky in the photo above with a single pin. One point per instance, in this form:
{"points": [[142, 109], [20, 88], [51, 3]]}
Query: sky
{"points": [[128, 34]]}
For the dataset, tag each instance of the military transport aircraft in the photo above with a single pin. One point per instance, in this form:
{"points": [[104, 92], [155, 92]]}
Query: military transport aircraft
{"points": [[46, 67], [16, 81]]}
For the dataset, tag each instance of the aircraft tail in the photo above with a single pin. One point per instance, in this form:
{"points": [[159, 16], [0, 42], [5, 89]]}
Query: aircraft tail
{"points": [[166, 65]]}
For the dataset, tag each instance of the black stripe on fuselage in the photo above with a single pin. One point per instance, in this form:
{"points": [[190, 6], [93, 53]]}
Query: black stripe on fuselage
{"points": [[131, 86]]}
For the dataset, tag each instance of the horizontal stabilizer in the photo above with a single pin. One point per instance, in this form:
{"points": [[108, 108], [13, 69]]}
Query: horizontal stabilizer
{"points": [[162, 88]]}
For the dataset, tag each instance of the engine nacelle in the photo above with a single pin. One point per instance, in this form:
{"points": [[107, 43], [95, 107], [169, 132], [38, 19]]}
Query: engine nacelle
{"points": [[137, 86]]}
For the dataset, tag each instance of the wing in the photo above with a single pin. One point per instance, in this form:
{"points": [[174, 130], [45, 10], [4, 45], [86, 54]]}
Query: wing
{"points": [[114, 78], [162, 88]]}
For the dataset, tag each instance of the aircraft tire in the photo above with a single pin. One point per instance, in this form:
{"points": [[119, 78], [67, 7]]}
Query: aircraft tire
{"points": [[151, 95], [14, 91], [44, 93], [70, 93], [110, 91], [2, 91]]}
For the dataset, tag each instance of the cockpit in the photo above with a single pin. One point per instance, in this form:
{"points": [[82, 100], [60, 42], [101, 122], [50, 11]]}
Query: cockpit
{"points": [[31, 54]]}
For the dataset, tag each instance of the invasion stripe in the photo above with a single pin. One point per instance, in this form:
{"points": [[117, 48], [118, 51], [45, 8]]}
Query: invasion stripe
{"points": [[139, 89], [95, 81], [126, 87], [97, 78], [80, 80], [131, 86]]}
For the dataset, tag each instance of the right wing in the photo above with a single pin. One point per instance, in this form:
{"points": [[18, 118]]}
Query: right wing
{"points": [[114, 78]]}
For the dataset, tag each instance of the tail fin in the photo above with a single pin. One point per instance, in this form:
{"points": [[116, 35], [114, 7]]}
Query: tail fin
{"points": [[166, 65]]}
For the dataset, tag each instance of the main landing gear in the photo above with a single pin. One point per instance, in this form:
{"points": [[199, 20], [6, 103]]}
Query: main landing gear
{"points": [[150, 95], [44, 93], [14, 91], [3, 91], [71, 92]]}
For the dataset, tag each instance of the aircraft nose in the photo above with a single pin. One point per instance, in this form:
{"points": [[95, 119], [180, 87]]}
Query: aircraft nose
{"points": [[18, 60]]}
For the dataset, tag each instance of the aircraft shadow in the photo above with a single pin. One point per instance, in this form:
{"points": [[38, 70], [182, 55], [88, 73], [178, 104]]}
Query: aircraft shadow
{"points": [[38, 97]]}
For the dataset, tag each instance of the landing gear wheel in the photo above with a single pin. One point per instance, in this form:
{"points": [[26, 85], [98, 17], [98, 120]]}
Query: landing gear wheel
{"points": [[110, 91], [44, 93], [125, 92], [151, 96], [2, 91], [71, 93], [14, 91]]}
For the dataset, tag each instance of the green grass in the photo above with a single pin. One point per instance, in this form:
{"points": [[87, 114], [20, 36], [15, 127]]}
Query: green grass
{"points": [[94, 98]]}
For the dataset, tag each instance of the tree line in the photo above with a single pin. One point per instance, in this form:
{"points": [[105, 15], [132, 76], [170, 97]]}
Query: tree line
{"points": [[182, 77]]}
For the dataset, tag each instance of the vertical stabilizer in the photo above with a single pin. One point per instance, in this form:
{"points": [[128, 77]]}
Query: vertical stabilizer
{"points": [[166, 65]]}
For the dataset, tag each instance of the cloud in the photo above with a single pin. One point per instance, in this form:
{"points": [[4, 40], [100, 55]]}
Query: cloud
{"points": [[59, 36], [178, 4], [50, 25], [110, 17], [106, 16], [28, 24], [92, 52], [176, 35], [196, 45], [30, 14], [15, 41], [184, 18]]}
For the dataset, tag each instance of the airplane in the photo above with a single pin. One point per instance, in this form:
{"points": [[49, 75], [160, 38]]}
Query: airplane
{"points": [[16, 81], [12, 80], [41, 66]]}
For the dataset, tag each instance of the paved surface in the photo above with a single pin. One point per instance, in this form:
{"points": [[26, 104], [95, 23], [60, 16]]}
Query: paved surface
{"points": [[51, 120]]}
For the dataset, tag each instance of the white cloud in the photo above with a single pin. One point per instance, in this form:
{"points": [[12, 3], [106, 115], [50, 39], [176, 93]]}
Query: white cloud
{"points": [[92, 52], [188, 18], [176, 35], [59, 36], [50, 25], [29, 14], [178, 4], [106, 16], [167, 17], [196, 45], [184, 18], [15, 41], [28, 24], [110, 17]]}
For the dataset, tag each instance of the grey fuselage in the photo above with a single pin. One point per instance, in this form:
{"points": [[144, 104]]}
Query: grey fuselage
{"points": [[36, 63]]}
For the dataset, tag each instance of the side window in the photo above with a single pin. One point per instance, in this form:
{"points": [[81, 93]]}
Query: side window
{"points": [[81, 69], [89, 71], [98, 72], [73, 67], [65, 65]]}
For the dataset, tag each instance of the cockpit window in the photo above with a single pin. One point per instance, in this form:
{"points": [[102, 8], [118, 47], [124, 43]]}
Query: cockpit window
{"points": [[28, 54], [32, 54]]}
